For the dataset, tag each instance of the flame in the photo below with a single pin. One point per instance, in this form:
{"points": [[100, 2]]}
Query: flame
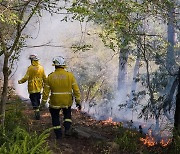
{"points": [[110, 121], [150, 141], [165, 143]]}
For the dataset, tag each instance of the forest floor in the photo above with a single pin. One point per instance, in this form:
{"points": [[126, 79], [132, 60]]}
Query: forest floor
{"points": [[92, 136]]}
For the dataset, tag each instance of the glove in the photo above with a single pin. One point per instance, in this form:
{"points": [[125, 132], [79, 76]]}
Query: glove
{"points": [[78, 106]]}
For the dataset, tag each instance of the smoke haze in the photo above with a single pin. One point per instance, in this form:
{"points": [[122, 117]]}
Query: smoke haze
{"points": [[50, 29]]}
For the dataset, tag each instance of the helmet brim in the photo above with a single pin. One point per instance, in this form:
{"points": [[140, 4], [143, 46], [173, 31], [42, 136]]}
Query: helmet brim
{"points": [[60, 65], [35, 59]]}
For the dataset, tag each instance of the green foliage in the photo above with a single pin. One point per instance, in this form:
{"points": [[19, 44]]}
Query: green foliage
{"points": [[14, 139], [93, 82], [14, 118], [22, 142], [83, 48], [175, 147], [121, 21], [15, 15], [126, 24], [128, 140], [8, 18], [177, 144], [114, 16]]}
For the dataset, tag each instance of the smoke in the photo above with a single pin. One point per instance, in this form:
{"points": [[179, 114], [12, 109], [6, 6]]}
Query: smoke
{"points": [[56, 37], [121, 108], [51, 31]]}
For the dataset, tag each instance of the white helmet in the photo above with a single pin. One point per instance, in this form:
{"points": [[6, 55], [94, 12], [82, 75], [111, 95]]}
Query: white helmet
{"points": [[33, 57], [58, 61]]}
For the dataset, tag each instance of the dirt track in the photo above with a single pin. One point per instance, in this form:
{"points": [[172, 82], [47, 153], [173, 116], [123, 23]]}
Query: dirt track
{"points": [[91, 136]]}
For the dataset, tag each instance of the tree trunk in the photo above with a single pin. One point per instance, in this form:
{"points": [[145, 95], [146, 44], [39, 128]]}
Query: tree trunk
{"points": [[134, 82], [123, 56], [168, 101], [4, 91], [170, 59], [177, 110]]}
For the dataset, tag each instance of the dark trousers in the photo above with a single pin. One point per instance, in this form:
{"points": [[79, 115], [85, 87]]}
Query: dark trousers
{"points": [[35, 100], [56, 120]]}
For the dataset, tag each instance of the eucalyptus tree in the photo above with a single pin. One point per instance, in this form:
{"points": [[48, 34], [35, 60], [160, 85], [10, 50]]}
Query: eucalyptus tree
{"points": [[121, 30], [15, 15], [171, 61], [119, 26], [168, 70]]}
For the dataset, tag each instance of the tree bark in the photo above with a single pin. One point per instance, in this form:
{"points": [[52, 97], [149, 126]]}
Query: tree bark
{"points": [[168, 101], [123, 56], [177, 110], [4, 91], [134, 83], [170, 59]]}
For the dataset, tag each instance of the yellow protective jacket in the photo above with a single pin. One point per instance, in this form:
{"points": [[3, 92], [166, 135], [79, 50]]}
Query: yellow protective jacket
{"points": [[35, 76], [62, 87]]}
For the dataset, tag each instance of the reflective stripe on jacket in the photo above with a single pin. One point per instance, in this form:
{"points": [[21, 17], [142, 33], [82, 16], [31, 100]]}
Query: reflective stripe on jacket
{"points": [[62, 87], [35, 76]]}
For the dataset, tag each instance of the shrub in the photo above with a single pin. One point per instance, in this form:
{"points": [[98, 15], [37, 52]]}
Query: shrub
{"points": [[14, 139], [127, 140], [176, 144], [22, 142]]}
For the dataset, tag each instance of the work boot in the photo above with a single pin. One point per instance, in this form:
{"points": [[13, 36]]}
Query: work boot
{"points": [[71, 132], [68, 133], [37, 115], [58, 136]]}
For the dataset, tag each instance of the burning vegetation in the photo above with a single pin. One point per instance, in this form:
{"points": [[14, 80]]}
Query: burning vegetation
{"points": [[110, 121], [150, 140]]}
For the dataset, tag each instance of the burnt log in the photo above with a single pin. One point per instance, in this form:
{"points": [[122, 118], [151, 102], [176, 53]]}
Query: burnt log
{"points": [[86, 132]]}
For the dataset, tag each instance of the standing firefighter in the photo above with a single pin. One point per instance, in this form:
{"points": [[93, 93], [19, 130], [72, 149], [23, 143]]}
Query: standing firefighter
{"points": [[36, 77], [62, 87]]}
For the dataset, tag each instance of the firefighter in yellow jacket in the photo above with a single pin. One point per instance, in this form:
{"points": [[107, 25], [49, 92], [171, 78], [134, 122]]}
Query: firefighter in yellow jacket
{"points": [[62, 87], [36, 77]]}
